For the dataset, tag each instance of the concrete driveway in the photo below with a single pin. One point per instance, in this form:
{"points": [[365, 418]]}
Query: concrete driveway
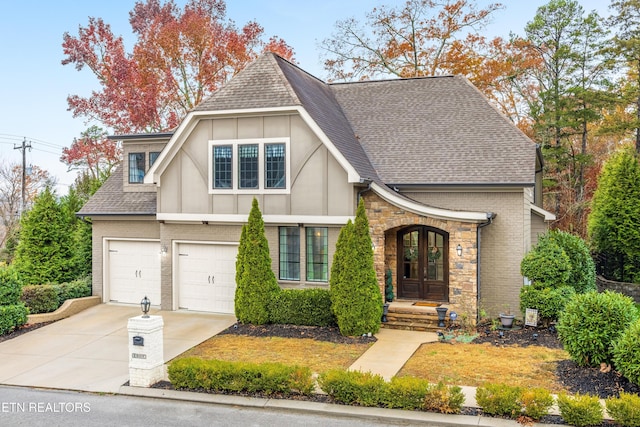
{"points": [[89, 351]]}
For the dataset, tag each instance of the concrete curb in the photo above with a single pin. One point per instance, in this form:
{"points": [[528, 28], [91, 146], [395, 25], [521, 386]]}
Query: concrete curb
{"points": [[392, 415]]}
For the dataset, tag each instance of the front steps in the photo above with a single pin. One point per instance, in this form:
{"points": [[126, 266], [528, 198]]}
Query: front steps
{"points": [[406, 316]]}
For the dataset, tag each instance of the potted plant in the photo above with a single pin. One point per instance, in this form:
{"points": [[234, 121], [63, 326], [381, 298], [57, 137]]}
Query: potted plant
{"points": [[506, 318]]}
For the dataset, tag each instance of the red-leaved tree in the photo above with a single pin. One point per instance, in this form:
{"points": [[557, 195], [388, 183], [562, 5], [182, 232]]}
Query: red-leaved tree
{"points": [[180, 57], [92, 153]]}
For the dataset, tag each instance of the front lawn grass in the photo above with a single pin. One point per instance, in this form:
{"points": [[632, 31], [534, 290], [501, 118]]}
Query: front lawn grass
{"points": [[455, 364], [319, 356], [478, 364]]}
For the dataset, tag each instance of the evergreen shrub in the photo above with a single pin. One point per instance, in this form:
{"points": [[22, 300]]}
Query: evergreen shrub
{"points": [[499, 399], [223, 376], [405, 393], [580, 410], [549, 302], [626, 353], [625, 409], [256, 283], [10, 286], [353, 387], [592, 322], [535, 402], [12, 316], [444, 399], [310, 307], [355, 296], [40, 298]]}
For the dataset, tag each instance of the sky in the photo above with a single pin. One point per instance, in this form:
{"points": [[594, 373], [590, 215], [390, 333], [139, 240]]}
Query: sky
{"points": [[34, 85]]}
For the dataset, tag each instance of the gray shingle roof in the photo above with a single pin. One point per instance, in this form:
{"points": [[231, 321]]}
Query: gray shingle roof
{"points": [[435, 130], [110, 199]]}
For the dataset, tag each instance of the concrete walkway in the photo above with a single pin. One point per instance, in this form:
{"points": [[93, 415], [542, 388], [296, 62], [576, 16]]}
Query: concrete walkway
{"points": [[392, 350], [89, 351]]}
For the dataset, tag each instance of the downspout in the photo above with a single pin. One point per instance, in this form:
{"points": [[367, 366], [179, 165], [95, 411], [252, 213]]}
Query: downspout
{"points": [[490, 216]]}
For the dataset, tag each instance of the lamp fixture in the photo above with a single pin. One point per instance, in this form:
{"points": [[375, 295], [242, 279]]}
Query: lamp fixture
{"points": [[163, 250], [144, 305], [459, 250]]}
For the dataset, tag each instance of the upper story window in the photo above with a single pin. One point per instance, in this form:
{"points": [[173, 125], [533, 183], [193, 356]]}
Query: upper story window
{"points": [[153, 156], [249, 166], [136, 168]]}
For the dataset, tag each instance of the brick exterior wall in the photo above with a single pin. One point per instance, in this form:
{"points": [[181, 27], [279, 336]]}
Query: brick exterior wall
{"points": [[385, 220], [503, 243]]}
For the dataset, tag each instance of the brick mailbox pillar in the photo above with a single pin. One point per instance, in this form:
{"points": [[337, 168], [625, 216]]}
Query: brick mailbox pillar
{"points": [[146, 361]]}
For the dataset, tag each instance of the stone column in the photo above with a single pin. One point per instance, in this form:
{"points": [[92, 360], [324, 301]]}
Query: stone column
{"points": [[146, 361]]}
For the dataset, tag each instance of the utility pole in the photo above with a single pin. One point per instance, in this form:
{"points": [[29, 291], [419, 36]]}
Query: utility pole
{"points": [[23, 149]]}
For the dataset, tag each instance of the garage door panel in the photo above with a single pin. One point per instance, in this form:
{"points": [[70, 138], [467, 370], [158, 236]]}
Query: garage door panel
{"points": [[206, 277], [134, 271]]}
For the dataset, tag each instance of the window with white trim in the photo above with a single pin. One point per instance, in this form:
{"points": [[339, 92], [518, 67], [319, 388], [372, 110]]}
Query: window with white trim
{"points": [[136, 168], [249, 166]]}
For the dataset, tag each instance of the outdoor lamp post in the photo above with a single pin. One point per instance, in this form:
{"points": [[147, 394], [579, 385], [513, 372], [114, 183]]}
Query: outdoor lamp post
{"points": [[144, 305]]}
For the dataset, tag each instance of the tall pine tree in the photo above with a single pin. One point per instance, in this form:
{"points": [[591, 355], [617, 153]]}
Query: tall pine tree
{"points": [[255, 281]]}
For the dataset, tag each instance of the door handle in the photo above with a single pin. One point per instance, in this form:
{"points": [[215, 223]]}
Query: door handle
{"points": [[140, 275], [213, 280], [136, 273], [209, 279]]}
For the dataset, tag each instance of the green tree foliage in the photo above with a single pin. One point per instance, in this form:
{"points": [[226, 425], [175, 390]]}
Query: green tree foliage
{"points": [[256, 283], [582, 272], [614, 222], [44, 253], [626, 354], [592, 322], [355, 295], [626, 43]]}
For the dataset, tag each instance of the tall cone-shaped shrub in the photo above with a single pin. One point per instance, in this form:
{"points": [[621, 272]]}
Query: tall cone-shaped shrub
{"points": [[255, 281], [355, 297]]}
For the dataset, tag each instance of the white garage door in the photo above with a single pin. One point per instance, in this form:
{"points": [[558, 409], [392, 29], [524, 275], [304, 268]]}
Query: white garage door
{"points": [[134, 271], [206, 276]]}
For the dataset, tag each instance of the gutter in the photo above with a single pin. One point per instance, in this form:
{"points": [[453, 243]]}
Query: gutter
{"points": [[490, 216]]}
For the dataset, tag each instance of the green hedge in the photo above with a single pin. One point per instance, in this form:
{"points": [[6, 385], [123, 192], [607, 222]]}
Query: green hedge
{"points": [[311, 307], [222, 376], [408, 393], [581, 410], [78, 288], [48, 297], [625, 410], [10, 286], [40, 298], [549, 302], [12, 316]]}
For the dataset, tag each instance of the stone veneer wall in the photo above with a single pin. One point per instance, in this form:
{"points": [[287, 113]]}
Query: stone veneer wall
{"points": [[629, 289], [384, 222]]}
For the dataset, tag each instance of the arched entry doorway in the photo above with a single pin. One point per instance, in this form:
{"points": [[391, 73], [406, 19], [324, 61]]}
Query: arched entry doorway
{"points": [[423, 263]]}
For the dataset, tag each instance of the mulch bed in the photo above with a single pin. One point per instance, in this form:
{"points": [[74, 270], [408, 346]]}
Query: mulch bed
{"points": [[23, 330]]}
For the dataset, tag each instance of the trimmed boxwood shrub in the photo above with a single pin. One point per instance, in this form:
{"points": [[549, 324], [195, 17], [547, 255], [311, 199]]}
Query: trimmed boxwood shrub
{"points": [[499, 399], [535, 402], [405, 393], [580, 410], [625, 410], [546, 265], [592, 322], [12, 316], [40, 298], [582, 274], [444, 399], [626, 354], [353, 387], [311, 307], [223, 376]]}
